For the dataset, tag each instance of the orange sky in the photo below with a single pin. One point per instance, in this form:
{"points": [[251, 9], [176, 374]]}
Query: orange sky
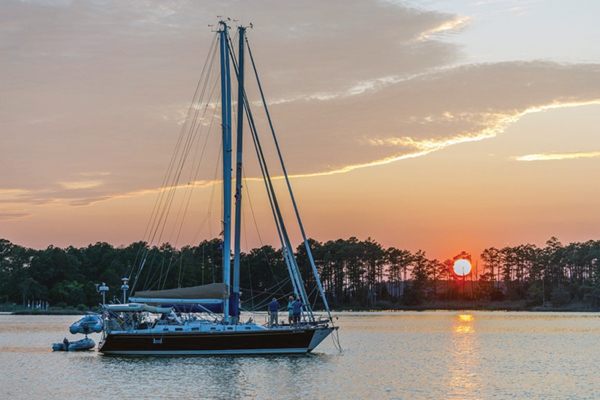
{"points": [[441, 126]]}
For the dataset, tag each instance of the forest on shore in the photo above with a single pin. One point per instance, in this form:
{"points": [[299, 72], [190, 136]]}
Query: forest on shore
{"points": [[356, 274]]}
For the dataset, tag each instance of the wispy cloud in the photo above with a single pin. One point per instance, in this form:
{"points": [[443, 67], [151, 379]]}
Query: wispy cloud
{"points": [[75, 185], [446, 27], [94, 174], [558, 156], [83, 197], [14, 195], [356, 89], [8, 215]]}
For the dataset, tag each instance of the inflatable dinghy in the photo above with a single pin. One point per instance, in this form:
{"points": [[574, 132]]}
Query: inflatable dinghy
{"points": [[88, 324], [83, 344]]}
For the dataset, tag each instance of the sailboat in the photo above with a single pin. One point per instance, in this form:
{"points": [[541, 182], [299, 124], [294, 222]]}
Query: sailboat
{"points": [[206, 319]]}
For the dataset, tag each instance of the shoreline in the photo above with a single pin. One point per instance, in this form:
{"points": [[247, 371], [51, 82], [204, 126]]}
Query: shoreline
{"points": [[470, 306], [47, 312], [508, 307]]}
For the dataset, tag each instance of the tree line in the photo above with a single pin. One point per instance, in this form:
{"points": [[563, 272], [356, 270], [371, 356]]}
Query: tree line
{"points": [[354, 273]]}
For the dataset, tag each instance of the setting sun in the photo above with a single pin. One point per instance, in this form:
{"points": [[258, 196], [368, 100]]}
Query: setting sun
{"points": [[462, 267]]}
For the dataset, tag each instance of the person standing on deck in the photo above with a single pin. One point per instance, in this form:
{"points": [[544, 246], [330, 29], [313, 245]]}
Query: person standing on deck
{"points": [[273, 309], [297, 311], [291, 310]]}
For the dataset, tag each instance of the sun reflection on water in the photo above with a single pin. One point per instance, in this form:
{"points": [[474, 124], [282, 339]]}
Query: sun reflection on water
{"points": [[464, 360], [465, 317], [465, 325]]}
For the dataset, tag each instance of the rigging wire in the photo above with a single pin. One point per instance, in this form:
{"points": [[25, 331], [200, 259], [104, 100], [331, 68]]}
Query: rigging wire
{"points": [[210, 203], [301, 226], [192, 180], [173, 174], [169, 185], [262, 250], [284, 238], [272, 199], [282, 232], [194, 172], [286, 246], [272, 290]]}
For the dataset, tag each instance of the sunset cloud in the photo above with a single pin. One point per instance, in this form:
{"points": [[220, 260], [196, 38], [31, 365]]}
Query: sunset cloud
{"points": [[558, 156]]}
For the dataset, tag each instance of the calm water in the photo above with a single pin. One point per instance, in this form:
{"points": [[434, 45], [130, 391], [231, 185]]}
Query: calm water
{"points": [[403, 355]]}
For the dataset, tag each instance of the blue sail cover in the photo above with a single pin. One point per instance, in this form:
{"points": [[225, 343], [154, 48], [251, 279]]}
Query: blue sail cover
{"points": [[192, 299], [217, 308]]}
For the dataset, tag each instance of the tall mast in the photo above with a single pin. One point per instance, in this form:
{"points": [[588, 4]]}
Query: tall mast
{"points": [[226, 121], [238, 177]]}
